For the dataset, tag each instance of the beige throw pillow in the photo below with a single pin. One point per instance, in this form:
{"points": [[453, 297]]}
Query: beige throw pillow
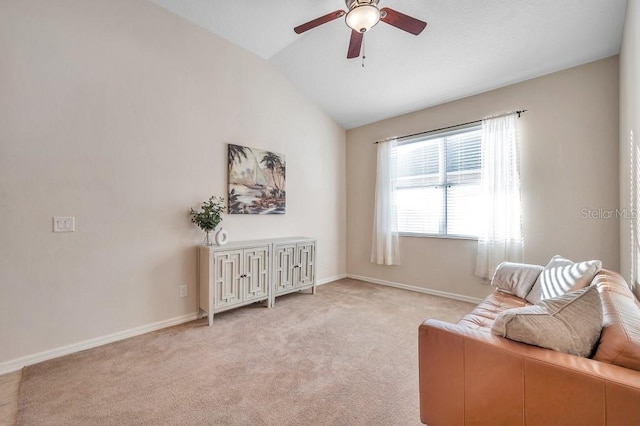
{"points": [[516, 278], [569, 323], [561, 276]]}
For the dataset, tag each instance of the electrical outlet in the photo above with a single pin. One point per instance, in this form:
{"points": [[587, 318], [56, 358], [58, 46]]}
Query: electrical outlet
{"points": [[184, 291], [64, 224]]}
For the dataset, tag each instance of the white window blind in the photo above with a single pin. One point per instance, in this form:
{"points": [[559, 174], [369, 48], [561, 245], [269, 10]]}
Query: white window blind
{"points": [[438, 183]]}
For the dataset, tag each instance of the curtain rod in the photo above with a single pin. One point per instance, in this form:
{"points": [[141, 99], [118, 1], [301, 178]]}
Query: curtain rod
{"points": [[522, 111]]}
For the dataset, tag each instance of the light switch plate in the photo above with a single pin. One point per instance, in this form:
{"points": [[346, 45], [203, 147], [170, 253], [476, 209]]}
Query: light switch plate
{"points": [[64, 224]]}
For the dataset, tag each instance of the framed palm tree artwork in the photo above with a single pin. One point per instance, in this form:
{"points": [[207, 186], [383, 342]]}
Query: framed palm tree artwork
{"points": [[257, 183]]}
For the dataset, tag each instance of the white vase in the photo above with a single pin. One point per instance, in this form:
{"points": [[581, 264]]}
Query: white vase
{"points": [[222, 237]]}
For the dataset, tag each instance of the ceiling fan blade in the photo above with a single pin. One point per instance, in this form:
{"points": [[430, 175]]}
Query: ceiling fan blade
{"points": [[402, 21], [319, 21], [354, 44]]}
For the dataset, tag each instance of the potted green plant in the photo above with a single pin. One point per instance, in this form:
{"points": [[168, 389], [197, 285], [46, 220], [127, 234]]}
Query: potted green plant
{"points": [[208, 216]]}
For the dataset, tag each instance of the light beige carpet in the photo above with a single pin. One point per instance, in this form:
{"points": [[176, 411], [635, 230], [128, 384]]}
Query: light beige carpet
{"points": [[346, 356]]}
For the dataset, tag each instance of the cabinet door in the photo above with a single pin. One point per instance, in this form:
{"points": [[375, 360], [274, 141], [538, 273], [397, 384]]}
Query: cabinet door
{"points": [[305, 266], [256, 273], [283, 267], [227, 278]]}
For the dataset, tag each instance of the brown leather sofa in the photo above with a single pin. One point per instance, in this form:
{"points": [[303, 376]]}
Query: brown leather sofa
{"points": [[469, 376]]}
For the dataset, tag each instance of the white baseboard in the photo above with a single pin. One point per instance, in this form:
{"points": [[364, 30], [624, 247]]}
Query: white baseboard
{"points": [[417, 289], [19, 363], [331, 279]]}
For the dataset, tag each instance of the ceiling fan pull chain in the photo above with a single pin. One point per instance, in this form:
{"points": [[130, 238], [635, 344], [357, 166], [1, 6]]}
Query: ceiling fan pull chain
{"points": [[363, 55]]}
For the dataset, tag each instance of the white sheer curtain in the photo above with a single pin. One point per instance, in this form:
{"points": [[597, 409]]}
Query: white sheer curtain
{"points": [[501, 236], [384, 245], [634, 203]]}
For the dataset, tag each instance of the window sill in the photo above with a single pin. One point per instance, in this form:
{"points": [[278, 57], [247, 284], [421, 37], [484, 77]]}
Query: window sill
{"points": [[442, 237]]}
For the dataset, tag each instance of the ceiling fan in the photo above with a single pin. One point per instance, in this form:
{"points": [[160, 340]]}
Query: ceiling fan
{"points": [[361, 17]]}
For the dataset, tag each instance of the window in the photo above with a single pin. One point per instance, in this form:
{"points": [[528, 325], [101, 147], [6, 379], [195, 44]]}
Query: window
{"points": [[437, 181]]}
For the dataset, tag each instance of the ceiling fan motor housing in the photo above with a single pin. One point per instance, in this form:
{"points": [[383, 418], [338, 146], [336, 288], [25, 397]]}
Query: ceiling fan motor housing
{"points": [[355, 3]]}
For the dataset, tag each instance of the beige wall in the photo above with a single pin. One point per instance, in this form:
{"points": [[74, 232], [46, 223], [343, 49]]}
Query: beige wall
{"points": [[629, 124], [569, 162], [118, 113]]}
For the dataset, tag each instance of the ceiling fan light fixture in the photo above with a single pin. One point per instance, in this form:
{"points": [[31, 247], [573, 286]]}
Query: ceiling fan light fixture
{"points": [[362, 18]]}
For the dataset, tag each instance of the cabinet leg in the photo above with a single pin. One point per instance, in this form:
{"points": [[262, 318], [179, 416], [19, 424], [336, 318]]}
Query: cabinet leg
{"points": [[313, 290], [210, 319]]}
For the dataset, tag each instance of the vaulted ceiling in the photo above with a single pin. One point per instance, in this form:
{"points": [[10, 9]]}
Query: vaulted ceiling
{"points": [[468, 47]]}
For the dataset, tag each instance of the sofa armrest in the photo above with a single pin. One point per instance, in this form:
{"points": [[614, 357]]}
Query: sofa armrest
{"points": [[472, 377]]}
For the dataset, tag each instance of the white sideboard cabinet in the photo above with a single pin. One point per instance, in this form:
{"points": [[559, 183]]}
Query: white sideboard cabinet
{"points": [[241, 273]]}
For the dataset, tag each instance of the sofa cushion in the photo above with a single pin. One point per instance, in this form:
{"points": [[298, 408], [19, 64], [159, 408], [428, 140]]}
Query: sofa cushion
{"points": [[561, 276], [516, 278], [569, 323], [620, 339]]}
